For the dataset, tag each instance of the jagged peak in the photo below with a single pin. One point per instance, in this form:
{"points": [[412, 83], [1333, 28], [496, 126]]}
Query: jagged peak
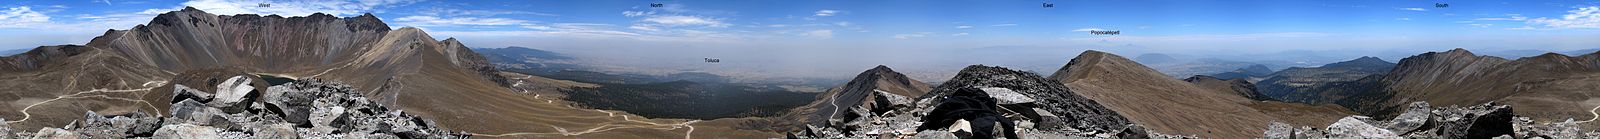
{"points": [[185, 10], [1451, 54], [881, 72], [981, 68], [320, 14], [190, 9], [881, 69], [366, 21], [1460, 51], [367, 15], [1092, 60]]}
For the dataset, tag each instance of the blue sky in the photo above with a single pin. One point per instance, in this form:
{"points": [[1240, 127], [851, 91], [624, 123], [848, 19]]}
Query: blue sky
{"points": [[825, 37]]}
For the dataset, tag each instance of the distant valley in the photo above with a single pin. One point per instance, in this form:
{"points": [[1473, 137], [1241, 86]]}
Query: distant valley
{"points": [[694, 95]]}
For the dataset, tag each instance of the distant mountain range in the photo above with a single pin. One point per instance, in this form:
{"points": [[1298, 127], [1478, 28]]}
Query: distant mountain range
{"points": [[1252, 73], [12, 52], [1310, 85]]}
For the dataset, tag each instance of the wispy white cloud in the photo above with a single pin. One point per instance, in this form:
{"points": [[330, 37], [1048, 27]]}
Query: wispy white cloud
{"points": [[1403, 19], [826, 12], [679, 20], [637, 13], [1511, 17], [963, 27], [22, 17], [577, 30], [437, 21], [644, 27], [1087, 29], [911, 36], [455, 12], [1481, 25], [818, 34], [960, 34], [1583, 17], [1212, 37], [842, 24], [1413, 9]]}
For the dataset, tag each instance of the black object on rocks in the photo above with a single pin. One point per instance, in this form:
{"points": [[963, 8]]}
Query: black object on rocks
{"points": [[973, 105]]}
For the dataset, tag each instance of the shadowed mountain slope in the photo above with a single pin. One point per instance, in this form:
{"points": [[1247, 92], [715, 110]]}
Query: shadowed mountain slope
{"points": [[1548, 87], [866, 91]]}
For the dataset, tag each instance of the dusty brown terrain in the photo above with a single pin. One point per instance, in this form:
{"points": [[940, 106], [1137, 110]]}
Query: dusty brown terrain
{"points": [[1166, 104], [1302, 114], [1291, 113], [45, 87]]}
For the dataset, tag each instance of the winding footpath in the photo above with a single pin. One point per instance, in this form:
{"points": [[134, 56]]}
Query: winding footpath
{"points": [[1592, 112], [832, 101], [601, 128], [26, 115], [326, 71], [606, 127]]}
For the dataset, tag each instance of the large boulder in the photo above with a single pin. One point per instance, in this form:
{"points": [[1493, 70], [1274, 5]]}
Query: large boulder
{"points": [[186, 131], [339, 112], [1481, 121], [1358, 127], [1416, 116], [1489, 120], [56, 133], [234, 95], [180, 93]]}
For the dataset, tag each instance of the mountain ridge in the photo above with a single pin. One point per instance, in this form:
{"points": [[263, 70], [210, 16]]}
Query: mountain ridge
{"points": [[441, 80], [862, 92], [1157, 101]]}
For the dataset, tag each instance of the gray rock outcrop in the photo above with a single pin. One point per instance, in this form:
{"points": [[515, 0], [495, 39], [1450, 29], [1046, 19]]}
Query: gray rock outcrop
{"points": [[300, 109], [1490, 120], [1038, 108]]}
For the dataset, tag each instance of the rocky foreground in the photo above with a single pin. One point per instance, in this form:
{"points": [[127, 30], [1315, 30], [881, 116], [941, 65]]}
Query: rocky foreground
{"points": [[1035, 107], [1489, 120], [300, 109], [994, 102]]}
